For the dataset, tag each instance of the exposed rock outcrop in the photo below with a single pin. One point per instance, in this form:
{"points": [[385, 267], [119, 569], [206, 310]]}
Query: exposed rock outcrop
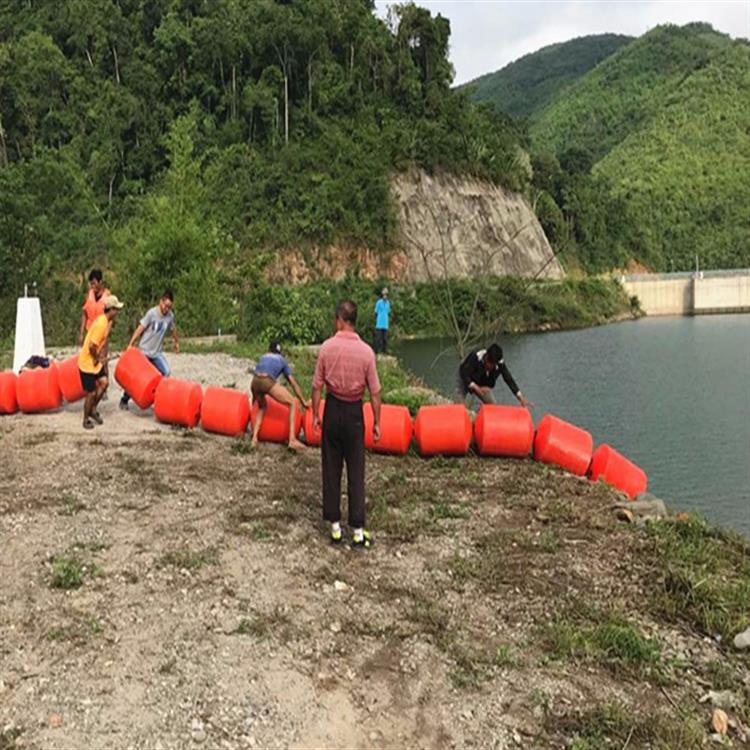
{"points": [[462, 226], [448, 226]]}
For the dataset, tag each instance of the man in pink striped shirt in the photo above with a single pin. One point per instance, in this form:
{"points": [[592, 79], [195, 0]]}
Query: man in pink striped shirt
{"points": [[345, 366]]}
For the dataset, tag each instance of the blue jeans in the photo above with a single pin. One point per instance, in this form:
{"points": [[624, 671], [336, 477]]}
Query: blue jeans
{"points": [[160, 363]]}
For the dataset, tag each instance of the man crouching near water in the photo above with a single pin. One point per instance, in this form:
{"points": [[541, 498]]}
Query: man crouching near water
{"points": [[92, 361], [478, 374], [346, 365]]}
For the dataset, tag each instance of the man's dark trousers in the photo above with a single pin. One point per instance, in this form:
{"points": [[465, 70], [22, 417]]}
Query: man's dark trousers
{"points": [[381, 340], [343, 440]]}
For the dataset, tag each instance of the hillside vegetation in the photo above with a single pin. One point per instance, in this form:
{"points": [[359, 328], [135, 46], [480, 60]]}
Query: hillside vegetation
{"points": [[526, 85], [178, 142], [647, 156]]}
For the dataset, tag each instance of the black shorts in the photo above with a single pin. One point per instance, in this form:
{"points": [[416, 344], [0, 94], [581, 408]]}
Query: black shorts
{"points": [[88, 379]]}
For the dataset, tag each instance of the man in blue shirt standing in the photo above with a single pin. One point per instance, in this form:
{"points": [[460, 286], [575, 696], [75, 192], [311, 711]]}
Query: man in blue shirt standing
{"points": [[382, 312]]}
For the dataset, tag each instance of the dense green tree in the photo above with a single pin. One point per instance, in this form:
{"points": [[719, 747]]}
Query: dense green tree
{"points": [[299, 113]]}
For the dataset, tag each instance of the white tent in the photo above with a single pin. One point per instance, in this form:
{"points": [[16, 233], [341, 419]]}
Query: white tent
{"points": [[29, 332]]}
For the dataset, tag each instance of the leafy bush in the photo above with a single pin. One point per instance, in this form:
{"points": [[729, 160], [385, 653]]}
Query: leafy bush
{"points": [[304, 314]]}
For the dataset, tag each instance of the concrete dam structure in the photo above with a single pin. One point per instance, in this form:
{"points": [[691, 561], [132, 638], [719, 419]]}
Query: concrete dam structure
{"points": [[693, 293]]}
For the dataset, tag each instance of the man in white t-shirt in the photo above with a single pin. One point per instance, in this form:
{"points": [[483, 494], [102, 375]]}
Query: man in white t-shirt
{"points": [[152, 329]]}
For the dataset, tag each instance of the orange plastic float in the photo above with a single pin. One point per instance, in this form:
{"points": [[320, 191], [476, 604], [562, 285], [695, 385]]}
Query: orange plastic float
{"points": [[137, 376], [312, 436], [225, 411], [178, 402], [70, 380], [275, 427], [503, 431], [620, 472], [563, 444], [395, 429], [443, 429], [8, 400], [38, 390]]}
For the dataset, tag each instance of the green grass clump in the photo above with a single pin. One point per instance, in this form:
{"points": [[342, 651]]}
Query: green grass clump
{"points": [[188, 559], [67, 572], [504, 657], [705, 576], [605, 638], [442, 510], [71, 505], [256, 627], [614, 725], [276, 623], [260, 532], [241, 446]]}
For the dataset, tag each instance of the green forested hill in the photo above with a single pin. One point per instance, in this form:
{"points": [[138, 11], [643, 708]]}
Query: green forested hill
{"points": [[527, 84], [690, 167], [647, 155], [175, 141]]}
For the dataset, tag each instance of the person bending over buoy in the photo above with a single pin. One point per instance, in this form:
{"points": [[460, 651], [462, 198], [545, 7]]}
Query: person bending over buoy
{"points": [[345, 366], [92, 361], [151, 330], [478, 373], [268, 370]]}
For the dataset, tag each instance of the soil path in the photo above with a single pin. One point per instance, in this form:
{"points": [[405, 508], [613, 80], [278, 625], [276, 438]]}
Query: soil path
{"points": [[206, 607]]}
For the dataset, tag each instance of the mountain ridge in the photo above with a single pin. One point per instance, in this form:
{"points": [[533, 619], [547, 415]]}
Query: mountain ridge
{"points": [[525, 85]]}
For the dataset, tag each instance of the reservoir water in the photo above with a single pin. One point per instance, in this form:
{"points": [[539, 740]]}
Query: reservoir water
{"points": [[672, 394]]}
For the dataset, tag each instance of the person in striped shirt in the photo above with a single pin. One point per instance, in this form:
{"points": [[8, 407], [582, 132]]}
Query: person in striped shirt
{"points": [[345, 367]]}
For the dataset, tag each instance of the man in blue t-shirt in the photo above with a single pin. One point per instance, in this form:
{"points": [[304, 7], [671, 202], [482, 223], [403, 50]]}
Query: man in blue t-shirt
{"points": [[267, 371], [382, 312]]}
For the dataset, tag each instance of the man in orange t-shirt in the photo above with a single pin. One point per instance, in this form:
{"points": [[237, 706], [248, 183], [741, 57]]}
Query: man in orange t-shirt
{"points": [[92, 361], [93, 306]]}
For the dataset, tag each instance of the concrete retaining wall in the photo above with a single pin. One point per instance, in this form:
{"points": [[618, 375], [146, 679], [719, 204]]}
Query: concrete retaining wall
{"points": [[663, 297], [716, 295], [687, 294]]}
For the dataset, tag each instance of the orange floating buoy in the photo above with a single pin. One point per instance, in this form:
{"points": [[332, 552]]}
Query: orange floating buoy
{"points": [[38, 390], [503, 431], [137, 377], [611, 466], [225, 411], [396, 429], [70, 380], [178, 402], [275, 427], [8, 400], [443, 429], [312, 436], [563, 444]]}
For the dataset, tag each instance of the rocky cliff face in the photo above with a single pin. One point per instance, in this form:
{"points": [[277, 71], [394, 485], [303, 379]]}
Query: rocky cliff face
{"points": [[449, 226], [459, 226]]}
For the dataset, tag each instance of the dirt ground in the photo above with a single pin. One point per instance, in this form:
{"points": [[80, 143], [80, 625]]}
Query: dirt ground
{"points": [[212, 611]]}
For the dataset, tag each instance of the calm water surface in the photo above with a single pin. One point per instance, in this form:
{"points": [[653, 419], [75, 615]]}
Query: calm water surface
{"points": [[672, 394]]}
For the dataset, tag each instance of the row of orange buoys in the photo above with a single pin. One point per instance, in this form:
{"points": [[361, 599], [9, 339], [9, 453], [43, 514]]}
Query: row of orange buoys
{"points": [[509, 431], [438, 430]]}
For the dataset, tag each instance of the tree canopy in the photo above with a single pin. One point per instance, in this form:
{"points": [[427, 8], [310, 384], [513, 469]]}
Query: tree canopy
{"points": [[233, 126]]}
